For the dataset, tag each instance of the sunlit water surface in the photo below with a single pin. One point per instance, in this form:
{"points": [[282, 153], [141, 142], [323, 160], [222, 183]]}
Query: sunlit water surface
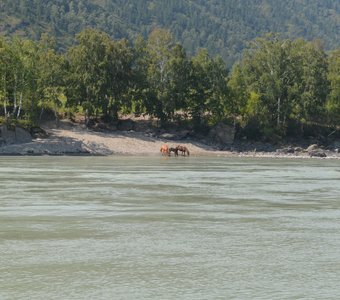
{"points": [[169, 228]]}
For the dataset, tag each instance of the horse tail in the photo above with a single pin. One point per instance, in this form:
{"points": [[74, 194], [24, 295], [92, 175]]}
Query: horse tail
{"points": [[188, 152]]}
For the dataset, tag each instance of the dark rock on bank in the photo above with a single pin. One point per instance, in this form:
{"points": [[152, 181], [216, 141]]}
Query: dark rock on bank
{"points": [[222, 134], [14, 135]]}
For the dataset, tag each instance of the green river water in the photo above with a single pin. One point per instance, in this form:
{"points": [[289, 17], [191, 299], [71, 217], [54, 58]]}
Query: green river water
{"points": [[169, 228]]}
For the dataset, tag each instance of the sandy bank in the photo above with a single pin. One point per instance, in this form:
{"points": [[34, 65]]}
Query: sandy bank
{"points": [[75, 139]]}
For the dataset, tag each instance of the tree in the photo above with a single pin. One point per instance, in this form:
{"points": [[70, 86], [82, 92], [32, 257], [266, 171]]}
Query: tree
{"points": [[119, 78], [333, 101], [166, 74], [159, 46], [287, 79], [178, 81], [208, 93], [99, 73], [142, 98], [238, 91], [88, 64], [6, 59], [315, 85], [269, 70], [51, 76], [26, 78]]}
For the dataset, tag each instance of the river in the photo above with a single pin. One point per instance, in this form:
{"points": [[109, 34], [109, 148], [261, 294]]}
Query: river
{"points": [[169, 228]]}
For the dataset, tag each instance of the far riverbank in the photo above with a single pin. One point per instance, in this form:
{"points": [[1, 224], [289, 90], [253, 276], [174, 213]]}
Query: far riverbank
{"points": [[75, 139]]}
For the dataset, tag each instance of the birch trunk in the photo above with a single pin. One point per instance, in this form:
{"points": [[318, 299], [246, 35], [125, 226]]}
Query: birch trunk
{"points": [[20, 105]]}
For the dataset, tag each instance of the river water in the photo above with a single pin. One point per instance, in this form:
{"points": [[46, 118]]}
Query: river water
{"points": [[169, 228]]}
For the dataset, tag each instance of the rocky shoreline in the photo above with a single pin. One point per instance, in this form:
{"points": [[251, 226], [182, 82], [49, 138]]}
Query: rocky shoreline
{"points": [[75, 139]]}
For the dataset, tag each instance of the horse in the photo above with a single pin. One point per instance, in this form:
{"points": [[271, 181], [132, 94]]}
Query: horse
{"points": [[183, 149], [174, 150], [165, 149]]}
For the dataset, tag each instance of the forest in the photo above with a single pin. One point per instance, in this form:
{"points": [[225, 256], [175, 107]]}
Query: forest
{"points": [[222, 27], [278, 85]]}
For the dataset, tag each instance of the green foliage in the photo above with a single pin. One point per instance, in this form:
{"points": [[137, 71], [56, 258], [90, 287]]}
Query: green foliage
{"points": [[280, 80], [333, 101], [208, 95], [222, 27], [277, 83], [167, 74], [32, 78], [26, 124], [253, 107], [99, 73]]}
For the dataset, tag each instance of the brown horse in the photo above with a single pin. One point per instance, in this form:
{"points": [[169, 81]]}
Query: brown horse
{"points": [[165, 149], [183, 149]]}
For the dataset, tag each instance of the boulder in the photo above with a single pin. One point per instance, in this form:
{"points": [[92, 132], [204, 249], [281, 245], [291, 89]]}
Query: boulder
{"points": [[312, 147], [222, 134], [22, 135], [38, 132], [126, 125], [16, 135], [142, 126], [287, 150], [7, 135], [298, 149], [336, 144], [317, 153], [168, 136]]}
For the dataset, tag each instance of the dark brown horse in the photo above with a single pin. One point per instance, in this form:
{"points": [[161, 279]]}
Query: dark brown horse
{"points": [[182, 149], [174, 150]]}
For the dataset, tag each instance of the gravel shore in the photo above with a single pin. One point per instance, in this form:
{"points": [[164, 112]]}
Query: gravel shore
{"points": [[75, 139]]}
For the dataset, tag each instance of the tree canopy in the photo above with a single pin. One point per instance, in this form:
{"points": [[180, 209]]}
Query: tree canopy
{"points": [[278, 84], [222, 27]]}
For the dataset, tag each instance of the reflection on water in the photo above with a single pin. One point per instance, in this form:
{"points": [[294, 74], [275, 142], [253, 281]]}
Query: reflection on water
{"points": [[169, 228]]}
